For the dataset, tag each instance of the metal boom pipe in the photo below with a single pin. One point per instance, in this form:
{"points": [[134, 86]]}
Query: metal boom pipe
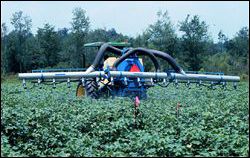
{"points": [[155, 75]]}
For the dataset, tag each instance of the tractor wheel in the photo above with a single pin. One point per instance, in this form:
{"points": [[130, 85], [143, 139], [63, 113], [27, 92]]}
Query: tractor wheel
{"points": [[90, 89]]}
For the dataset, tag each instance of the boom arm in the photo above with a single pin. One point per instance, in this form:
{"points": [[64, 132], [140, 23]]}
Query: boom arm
{"points": [[154, 75]]}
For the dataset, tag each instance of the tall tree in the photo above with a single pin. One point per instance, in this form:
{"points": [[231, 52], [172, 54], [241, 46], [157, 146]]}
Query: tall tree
{"points": [[4, 59], [222, 39], [162, 34], [80, 29], [22, 26], [64, 40], [98, 35], [194, 41], [49, 44], [238, 48]]}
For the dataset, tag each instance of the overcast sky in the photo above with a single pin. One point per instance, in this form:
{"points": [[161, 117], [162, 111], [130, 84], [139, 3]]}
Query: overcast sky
{"points": [[132, 17]]}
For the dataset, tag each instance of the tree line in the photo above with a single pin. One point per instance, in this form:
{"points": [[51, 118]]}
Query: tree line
{"points": [[22, 51]]}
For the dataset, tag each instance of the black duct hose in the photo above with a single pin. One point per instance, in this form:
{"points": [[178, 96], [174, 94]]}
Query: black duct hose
{"points": [[100, 54], [169, 59], [138, 51]]}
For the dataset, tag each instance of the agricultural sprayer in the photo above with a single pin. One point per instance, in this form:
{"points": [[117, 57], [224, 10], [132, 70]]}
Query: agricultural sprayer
{"points": [[125, 75]]}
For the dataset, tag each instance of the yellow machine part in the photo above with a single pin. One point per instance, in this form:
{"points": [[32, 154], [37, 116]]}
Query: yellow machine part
{"points": [[80, 91], [108, 62]]}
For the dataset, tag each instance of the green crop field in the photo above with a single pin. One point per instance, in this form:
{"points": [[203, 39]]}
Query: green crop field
{"points": [[53, 122]]}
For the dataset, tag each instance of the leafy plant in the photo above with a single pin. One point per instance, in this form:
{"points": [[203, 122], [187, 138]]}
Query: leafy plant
{"points": [[53, 122]]}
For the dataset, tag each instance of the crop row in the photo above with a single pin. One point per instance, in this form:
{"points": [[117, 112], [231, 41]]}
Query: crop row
{"points": [[173, 122]]}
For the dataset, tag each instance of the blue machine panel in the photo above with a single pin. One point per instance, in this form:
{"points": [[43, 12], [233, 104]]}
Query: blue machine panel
{"points": [[133, 88]]}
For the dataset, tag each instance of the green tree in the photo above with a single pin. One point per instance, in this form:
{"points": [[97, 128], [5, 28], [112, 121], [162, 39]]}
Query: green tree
{"points": [[34, 55], [194, 41], [22, 26], [65, 43], [4, 59], [222, 39], [218, 62], [48, 45], [160, 36], [238, 48], [104, 35], [80, 28]]}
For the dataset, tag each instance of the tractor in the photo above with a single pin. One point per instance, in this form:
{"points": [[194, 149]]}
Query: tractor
{"points": [[124, 75]]}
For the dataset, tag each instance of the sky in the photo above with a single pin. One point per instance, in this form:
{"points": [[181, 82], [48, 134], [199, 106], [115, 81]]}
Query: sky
{"points": [[132, 17]]}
